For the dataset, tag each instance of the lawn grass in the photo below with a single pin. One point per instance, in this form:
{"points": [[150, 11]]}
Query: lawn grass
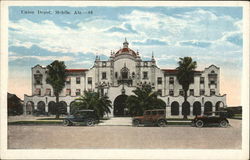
{"points": [[44, 122], [237, 116]]}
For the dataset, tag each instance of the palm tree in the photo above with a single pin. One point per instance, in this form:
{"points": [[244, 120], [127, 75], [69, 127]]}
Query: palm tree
{"points": [[185, 77], [145, 98], [56, 77], [94, 101]]}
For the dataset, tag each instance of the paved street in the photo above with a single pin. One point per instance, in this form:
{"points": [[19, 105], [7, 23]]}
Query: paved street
{"points": [[49, 136]]}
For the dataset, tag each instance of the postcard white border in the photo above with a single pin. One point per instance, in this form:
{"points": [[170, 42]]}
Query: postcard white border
{"points": [[123, 153]]}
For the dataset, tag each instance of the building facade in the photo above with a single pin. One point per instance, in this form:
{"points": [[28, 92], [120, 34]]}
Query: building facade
{"points": [[119, 76]]}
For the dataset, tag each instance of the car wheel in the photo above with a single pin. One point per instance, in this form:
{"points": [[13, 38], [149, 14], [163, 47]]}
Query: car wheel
{"points": [[90, 122], [66, 122], [136, 123], [224, 123], [162, 123], [199, 123]]}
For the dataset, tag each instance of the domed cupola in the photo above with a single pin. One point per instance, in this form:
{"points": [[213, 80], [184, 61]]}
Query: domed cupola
{"points": [[125, 50]]}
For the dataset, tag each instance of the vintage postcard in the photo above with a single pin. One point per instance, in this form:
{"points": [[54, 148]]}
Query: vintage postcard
{"points": [[124, 80]]}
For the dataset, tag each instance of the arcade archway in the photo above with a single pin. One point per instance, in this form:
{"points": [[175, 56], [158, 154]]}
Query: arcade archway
{"points": [[52, 107], [196, 108], [174, 108], [29, 107], [185, 108], [208, 108], [41, 107]]}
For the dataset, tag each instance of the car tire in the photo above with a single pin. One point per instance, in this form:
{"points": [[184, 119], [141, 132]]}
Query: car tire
{"points": [[90, 122], [136, 123], [224, 123], [161, 123], [66, 122], [199, 123]]}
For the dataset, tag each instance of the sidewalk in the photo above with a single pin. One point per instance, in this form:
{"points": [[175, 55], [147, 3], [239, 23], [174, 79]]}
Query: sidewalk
{"points": [[116, 121]]}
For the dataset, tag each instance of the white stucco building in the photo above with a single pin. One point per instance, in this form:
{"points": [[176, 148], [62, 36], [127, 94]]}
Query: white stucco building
{"points": [[119, 76]]}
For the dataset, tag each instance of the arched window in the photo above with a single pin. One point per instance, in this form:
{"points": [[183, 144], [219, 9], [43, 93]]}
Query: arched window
{"points": [[124, 72]]}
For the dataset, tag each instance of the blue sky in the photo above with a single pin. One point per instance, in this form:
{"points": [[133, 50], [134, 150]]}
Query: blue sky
{"points": [[211, 35]]}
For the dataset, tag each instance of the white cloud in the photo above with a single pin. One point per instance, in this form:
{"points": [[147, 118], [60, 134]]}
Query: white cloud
{"points": [[47, 58]]}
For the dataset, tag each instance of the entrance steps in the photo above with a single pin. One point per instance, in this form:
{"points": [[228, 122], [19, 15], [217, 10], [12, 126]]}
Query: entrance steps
{"points": [[117, 121]]}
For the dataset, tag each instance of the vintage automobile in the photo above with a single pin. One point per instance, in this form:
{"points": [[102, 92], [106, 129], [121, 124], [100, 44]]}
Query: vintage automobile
{"points": [[209, 119], [151, 117], [82, 117]]}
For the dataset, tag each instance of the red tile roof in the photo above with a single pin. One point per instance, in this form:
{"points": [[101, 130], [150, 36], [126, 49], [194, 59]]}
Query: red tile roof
{"points": [[76, 70], [169, 70], [126, 50]]}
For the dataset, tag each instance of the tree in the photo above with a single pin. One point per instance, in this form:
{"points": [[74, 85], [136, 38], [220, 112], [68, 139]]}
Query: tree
{"points": [[56, 77], [145, 98], [94, 101], [185, 77]]}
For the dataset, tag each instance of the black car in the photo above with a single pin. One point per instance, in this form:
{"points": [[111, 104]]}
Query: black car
{"points": [[82, 117], [219, 119]]}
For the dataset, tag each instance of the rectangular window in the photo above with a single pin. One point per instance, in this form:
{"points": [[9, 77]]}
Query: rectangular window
{"points": [[145, 75], [104, 75], [78, 80], [212, 92], [48, 91], [148, 112], [104, 64], [212, 82], [191, 92], [181, 92], [68, 92], [38, 91], [38, 81], [68, 79], [89, 80], [171, 92], [78, 92], [154, 112], [171, 80], [159, 80], [202, 92], [201, 80], [159, 92]]}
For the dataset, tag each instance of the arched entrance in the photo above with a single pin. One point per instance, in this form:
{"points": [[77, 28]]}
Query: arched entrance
{"points": [[41, 107], [29, 107], [63, 107], [197, 108], [174, 108], [52, 107], [185, 108], [208, 108], [120, 109]]}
